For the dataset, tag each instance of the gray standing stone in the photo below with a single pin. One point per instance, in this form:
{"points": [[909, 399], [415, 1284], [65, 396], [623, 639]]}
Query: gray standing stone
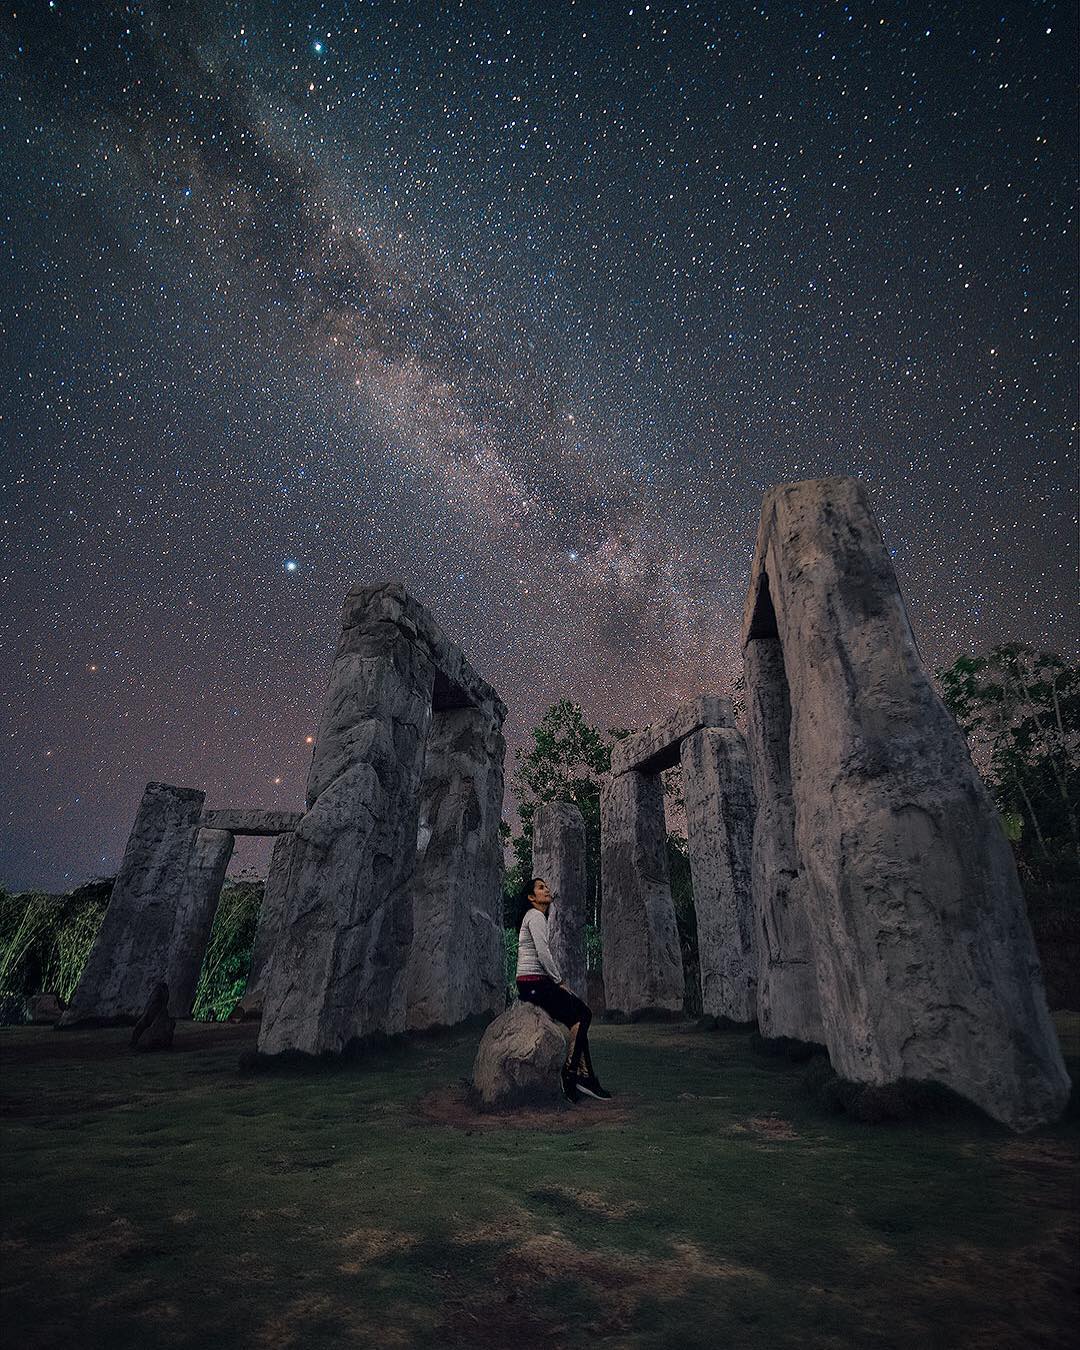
{"points": [[131, 952], [643, 969], [719, 802], [519, 1060], [558, 855], [195, 917], [267, 928], [338, 972], [927, 968], [455, 967], [787, 987]]}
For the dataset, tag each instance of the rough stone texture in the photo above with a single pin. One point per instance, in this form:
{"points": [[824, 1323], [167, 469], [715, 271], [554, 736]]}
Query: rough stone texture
{"points": [[787, 990], [657, 747], [339, 967], [520, 1056], [195, 917], [927, 968], [558, 856], [455, 968], [267, 929], [642, 961], [154, 1029], [719, 802], [131, 952], [44, 1009], [244, 821]]}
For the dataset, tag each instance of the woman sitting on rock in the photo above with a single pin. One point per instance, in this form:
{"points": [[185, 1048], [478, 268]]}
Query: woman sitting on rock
{"points": [[539, 982]]}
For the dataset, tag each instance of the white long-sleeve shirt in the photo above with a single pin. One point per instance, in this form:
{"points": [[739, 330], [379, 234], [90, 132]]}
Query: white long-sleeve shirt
{"points": [[534, 954]]}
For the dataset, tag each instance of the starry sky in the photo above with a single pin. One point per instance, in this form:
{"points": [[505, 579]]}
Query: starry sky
{"points": [[525, 304]]}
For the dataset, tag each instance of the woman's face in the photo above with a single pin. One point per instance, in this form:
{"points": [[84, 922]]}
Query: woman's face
{"points": [[541, 896]]}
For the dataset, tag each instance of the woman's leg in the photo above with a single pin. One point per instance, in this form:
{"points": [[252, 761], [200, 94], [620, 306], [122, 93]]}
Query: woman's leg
{"points": [[568, 1009], [579, 1038]]}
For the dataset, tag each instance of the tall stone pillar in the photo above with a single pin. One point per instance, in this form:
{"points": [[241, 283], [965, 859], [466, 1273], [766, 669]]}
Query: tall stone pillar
{"points": [[131, 953], [642, 961], [268, 926], [787, 990], [558, 855], [455, 967], [719, 802], [195, 917], [927, 968], [338, 971]]}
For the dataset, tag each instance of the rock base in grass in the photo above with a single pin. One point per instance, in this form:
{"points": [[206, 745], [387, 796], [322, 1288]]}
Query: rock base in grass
{"points": [[519, 1059]]}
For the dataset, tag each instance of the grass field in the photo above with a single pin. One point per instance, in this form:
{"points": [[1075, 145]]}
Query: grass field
{"points": [[175, 1200]]}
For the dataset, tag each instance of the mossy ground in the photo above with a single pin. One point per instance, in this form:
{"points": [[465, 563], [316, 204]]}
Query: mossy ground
{"points": [[175, 1200]]}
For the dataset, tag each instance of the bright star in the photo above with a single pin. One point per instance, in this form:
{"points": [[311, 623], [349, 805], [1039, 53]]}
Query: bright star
{"points": [[317, 48], [291, 565]]}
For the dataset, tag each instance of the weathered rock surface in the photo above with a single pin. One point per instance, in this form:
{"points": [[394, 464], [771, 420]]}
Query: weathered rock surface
{"points": [[267, 929], [154, 1029], [787, 988], [559, 857], [927, 969], [455, 967], [657, 747], [195, 917], [519, 1061], [250, 821], [719, 799], [44, 1010], [131, 953], [339, 967], [642, 961]]}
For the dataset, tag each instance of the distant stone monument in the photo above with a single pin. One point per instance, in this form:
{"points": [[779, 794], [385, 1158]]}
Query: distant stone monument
{"points": [[132, 947], [643, 969], [558, 855], [879, 856], [195, 916], [161, 911], [341, 966], [267, 929]]}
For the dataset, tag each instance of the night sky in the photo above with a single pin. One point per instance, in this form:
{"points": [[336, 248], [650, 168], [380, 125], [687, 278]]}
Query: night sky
{"points": [[524, 304]]}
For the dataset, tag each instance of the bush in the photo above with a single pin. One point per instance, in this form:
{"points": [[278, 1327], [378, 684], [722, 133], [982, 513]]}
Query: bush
{"points": [[45, 940], [510, 951], [228, 953]]}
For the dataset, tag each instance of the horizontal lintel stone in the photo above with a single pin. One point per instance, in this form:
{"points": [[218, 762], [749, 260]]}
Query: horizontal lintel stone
{"points": [[243, 821], [657, 747]]}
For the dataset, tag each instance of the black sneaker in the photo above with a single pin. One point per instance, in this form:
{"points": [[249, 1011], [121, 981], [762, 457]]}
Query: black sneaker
{"points": [[569, 1085], [591, 1084]]}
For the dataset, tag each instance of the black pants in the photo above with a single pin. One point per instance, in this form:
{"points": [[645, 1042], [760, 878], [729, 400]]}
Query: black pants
{"points": [[562, 1006]]}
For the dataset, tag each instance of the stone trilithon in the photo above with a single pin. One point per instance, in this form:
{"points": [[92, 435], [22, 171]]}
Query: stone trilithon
{"points": [[341, 968], [879, 858]]}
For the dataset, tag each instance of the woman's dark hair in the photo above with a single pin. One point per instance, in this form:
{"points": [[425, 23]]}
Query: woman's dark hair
{"points": [[523, 905]]}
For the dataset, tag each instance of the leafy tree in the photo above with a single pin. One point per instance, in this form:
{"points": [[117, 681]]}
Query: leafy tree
{"points": [[1020, 709], [566, 762]]}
